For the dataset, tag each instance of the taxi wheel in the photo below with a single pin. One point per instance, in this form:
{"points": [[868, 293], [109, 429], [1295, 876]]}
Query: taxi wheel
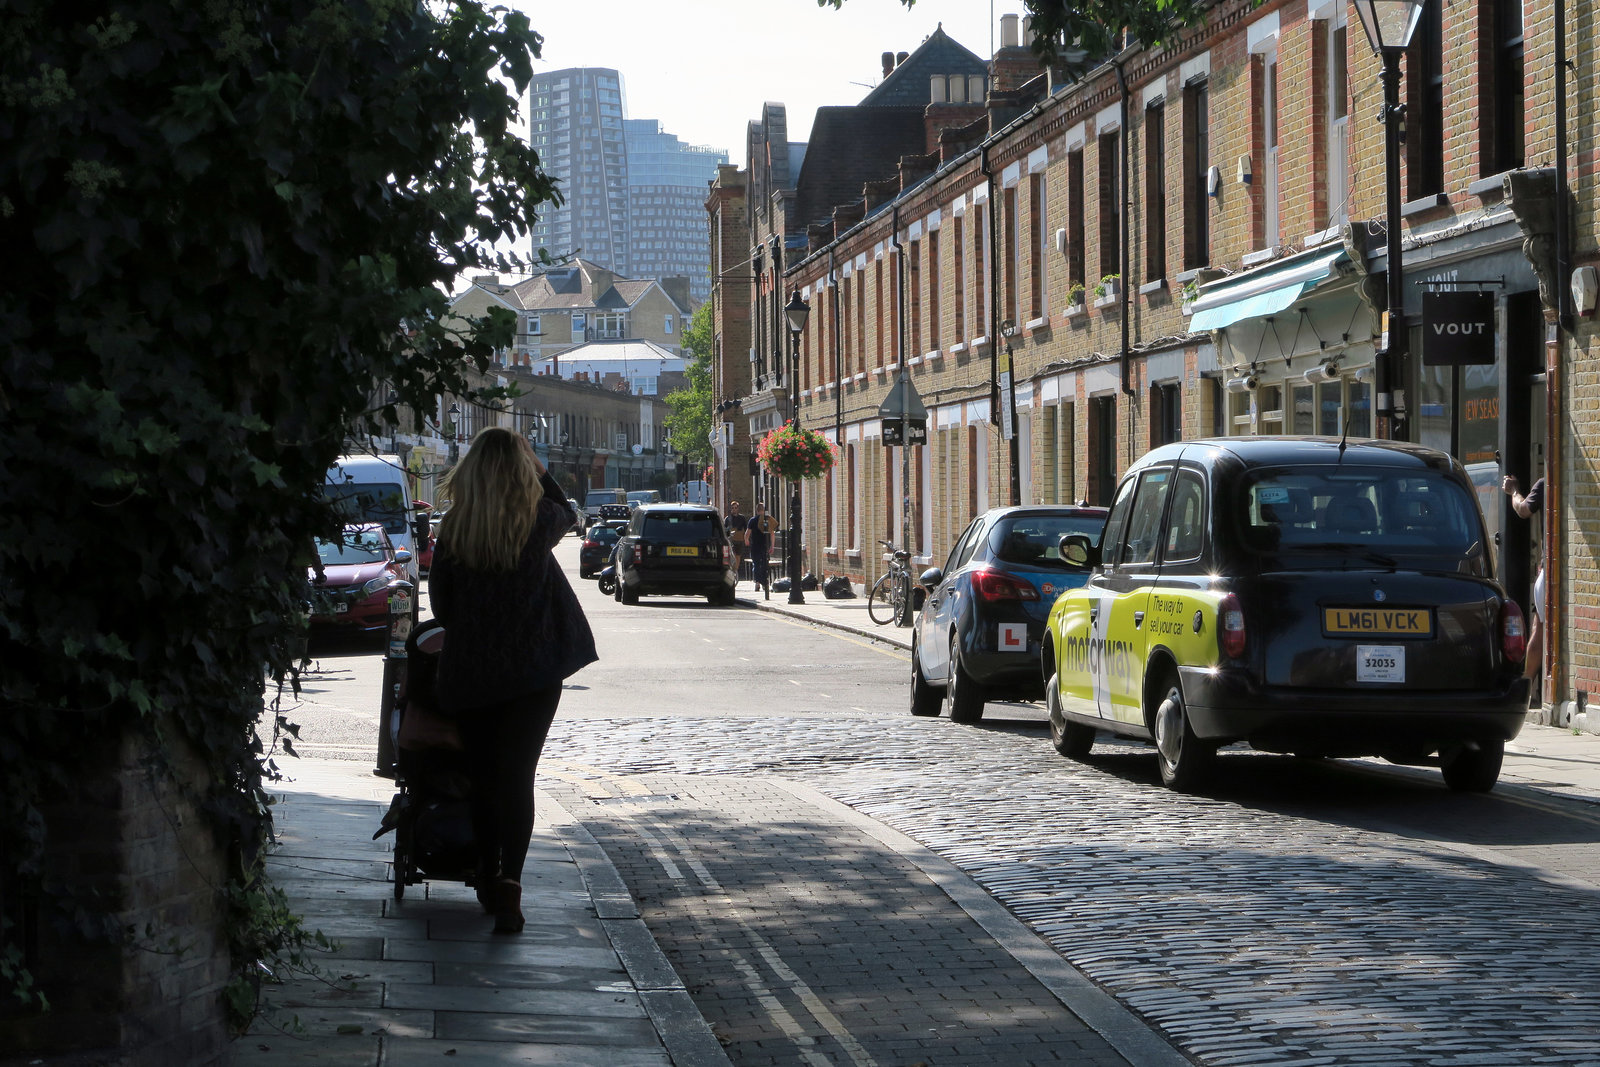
{"points": [[925, 699], [1474, 769], [964, 695], [1185, 759], [1070, 739]]}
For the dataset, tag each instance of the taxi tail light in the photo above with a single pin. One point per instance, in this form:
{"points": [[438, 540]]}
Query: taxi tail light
{"points": [[1513, 632], [995, 585], [1230, 627], [727, 555]]}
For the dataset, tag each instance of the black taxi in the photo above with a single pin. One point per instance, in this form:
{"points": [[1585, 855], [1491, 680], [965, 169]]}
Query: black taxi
{"points": [[1305, 595]]}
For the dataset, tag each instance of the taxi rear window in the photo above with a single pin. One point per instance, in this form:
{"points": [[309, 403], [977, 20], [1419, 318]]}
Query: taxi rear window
{"points": [[1370, 508]]}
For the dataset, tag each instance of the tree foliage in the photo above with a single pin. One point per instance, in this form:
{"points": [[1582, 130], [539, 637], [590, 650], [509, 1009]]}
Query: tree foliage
{"points": [[689, 422], [227, 225]]}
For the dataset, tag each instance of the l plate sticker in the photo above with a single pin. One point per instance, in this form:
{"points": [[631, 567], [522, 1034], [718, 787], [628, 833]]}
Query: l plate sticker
{"points": [[1012, 637], [1381, 663]]}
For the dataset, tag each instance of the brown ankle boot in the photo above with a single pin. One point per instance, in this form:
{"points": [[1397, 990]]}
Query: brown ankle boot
{"points": [[507, 901]]}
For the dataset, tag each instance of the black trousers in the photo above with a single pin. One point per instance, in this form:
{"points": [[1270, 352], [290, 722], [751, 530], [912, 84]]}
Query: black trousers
{"points": [[502, 743]]}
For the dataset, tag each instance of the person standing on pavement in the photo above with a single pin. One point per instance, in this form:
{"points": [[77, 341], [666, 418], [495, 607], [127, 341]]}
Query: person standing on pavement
{"points": [[1531, 506], [513, 632], [736, 524], [759, 538]]}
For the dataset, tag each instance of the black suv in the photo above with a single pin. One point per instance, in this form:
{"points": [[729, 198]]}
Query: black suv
{"points": [[675, 548]]}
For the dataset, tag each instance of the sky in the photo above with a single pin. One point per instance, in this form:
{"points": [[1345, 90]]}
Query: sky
{"points": [[705, 67]]}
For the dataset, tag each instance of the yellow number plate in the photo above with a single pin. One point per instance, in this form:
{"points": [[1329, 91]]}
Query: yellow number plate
{"points": [[682, 550], [1387, 622]]}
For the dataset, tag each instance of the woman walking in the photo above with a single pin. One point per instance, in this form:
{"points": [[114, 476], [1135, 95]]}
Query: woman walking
{"points": [[513, 632]]}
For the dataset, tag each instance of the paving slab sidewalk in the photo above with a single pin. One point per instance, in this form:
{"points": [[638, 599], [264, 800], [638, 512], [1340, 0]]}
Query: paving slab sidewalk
{"points": [[413, 980]]}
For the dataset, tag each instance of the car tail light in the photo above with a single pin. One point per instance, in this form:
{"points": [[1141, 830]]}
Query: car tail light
{"points": [[727, 555], [997, 585], [1513, 632], [1230, 627]]}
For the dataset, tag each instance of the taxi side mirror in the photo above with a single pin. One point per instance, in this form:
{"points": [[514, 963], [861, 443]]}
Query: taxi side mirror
{"points": [[1076, 549]]}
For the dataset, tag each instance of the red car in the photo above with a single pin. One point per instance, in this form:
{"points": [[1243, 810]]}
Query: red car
{"points": [[357, 570]]}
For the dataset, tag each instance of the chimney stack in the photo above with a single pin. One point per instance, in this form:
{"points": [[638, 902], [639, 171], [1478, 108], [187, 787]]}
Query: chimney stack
{"points": [[901, 58], [887, 59], [1008, 31]]}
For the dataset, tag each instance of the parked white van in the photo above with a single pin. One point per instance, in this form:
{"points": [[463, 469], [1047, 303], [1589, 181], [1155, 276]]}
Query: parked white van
{"points": [[370, 488]]}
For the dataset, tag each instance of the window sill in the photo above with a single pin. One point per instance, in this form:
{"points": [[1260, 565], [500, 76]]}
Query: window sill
{"points": [[933, 356], [853, 554], [958, 348], [1105, 301], [1040, 323], [1073, 311], [860, 377], [1151, 288], [1423, 205], [914, 361], [1262, 255], [979, 342], [1492, 188]]}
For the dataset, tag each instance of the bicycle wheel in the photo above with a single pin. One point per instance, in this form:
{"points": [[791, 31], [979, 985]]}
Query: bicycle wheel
{"points": [[880, 602]]}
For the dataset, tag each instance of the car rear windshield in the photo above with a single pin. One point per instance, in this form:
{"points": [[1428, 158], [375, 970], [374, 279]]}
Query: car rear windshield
{"points": [[602, 534], [1361, 508], [1036, 539], [690, 529]]}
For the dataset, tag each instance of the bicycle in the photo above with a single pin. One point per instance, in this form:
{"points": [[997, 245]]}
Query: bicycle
{"points": [[888, 596]]}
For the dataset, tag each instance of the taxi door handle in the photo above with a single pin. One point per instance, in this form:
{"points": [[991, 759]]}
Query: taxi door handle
{"points": [[1094, 612], [1138, 619]]}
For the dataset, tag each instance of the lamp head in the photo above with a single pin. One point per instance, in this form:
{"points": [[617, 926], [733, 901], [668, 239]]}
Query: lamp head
{"points": [[796, 310], [1389, 23]]}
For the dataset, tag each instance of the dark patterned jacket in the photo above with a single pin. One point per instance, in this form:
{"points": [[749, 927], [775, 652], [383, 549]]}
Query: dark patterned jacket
{"points": [[508, 634]]}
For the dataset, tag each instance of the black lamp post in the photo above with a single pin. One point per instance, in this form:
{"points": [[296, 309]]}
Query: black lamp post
{"points": [[455, 433], [796, 310], [1389, 25]]}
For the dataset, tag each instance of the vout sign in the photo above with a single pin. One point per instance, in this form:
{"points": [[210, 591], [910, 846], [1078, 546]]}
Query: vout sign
{"points": [[1457, 329]]}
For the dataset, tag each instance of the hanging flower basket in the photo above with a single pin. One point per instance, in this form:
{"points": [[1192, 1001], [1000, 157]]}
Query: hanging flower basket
{"points": [[794, 454]]}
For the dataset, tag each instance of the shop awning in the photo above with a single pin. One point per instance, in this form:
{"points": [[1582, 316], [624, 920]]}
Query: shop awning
{"points": [[1259, 294]]}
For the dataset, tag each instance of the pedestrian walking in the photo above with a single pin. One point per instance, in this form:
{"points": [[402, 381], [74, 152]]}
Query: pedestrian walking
{"points": [[759, 538], [736, 524], [513, 632], [1531, 506]]}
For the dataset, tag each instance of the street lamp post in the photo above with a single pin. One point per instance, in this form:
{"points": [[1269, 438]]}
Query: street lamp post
{"points": [[1389, 25], [455, 433], [796, 310]]}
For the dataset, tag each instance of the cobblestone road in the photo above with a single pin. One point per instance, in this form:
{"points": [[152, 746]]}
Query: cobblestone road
{"points": [[1360, 922]]}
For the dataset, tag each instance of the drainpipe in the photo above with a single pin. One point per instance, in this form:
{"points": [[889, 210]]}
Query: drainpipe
{"points": [[905, 447], [1555, 682], [994, 292], [1124, 298], [838, 355]]}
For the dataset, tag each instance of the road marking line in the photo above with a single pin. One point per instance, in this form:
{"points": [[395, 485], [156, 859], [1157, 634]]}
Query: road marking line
{"points": [[726, 906]]}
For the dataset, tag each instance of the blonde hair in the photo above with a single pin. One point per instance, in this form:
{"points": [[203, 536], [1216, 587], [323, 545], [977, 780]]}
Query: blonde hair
{"points": [[494, 493]]}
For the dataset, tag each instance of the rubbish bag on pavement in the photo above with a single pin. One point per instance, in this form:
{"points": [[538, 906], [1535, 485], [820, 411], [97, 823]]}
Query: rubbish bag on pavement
{"points": [[808, 582], [781, 585], [838, 588]]}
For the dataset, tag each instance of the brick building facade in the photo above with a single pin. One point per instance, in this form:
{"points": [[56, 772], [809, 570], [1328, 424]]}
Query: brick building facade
{"points": [[1189, 242]]}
